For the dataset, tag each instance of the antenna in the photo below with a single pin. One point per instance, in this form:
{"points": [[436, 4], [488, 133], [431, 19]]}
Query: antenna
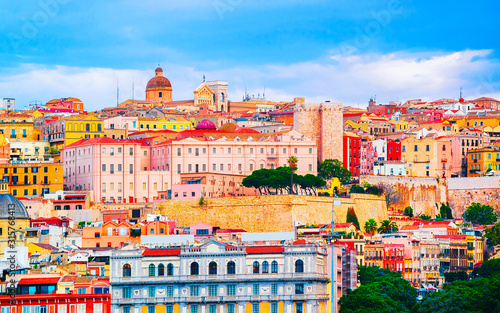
{"points": [[133, 89], [461, 91], [203, 78], [117, 92]]}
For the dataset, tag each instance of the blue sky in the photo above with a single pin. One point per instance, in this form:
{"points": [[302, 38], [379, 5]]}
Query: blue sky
{"points": [[335, 50]]}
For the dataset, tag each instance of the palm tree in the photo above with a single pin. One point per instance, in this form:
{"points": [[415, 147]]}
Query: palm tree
{"points": [[371, 226], [292, 163], [387, 227]]}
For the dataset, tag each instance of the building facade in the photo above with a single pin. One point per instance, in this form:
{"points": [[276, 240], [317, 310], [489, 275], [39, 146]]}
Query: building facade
{"points": [[220, 278]]}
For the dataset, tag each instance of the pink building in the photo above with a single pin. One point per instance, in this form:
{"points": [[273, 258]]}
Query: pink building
{"points": [[367, 157], [122, 122]]}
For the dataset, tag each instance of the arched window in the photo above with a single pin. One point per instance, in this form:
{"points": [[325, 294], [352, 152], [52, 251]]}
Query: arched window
{"points": [[160, 94], [87, 127], [170, 269], [161, 269], [99, 127], [256, 269], [265, 267], [127, 270], [231, 268], [274, 267], [195, 268], [152, 270], [299, 266], [212, 268]]}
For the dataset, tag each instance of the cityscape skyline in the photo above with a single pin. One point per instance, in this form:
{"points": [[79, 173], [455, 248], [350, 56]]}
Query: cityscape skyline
{"points": [[324, 50]]}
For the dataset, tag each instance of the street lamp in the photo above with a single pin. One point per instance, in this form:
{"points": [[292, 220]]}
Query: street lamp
{"points": [[333, 299]]}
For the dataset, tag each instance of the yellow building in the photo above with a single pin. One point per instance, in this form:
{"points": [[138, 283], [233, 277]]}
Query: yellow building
{"points": [[18, 126], [32, 179], [483, 161], [14, 220], [30, 151], [400, 125], [175, 124], [427, 157], [68, 130]]}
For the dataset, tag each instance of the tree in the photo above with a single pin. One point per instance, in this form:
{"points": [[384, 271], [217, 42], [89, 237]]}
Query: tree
{"points": [[490, 268], [492, 235], [292, 163], [480, 214], [392, 195], [371, 226], [444, 211], [329, 169], [356, 189], [424, 217], [351, 217], [408, 211], [387, 227]]}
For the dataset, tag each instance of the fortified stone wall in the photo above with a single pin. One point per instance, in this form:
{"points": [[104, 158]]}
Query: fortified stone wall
{"points": [[322, 122], [272, 213], [422, 193]]}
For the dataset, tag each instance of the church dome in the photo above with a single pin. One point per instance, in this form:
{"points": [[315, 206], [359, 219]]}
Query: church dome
{"points": [[159, 81], [206, 125], [19, 211]]}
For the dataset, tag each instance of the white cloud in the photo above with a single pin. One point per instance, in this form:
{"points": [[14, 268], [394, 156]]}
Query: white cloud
{"points": [[351, 80]]}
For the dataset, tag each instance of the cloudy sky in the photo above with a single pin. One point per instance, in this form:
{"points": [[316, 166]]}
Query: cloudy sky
{"points": [[338, 50]]}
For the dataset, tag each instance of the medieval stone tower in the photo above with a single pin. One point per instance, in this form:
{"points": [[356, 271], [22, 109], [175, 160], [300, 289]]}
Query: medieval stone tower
{"points": [[322, 122]]}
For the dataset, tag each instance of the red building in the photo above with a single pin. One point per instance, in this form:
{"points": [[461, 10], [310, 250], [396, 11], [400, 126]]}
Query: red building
{"points": [[39, 295], [352, 153], [393, 150], [46, 221], [394, 257]]}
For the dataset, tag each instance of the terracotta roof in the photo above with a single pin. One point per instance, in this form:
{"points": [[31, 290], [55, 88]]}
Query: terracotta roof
{"points": [[230, 230], [102, 140], [46, 246], [408, 227], [161, 252], [265, 249], [84, 279], [68, 279]]}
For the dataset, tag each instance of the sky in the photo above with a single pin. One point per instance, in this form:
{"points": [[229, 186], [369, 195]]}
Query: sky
{"points": [[338, 50]]}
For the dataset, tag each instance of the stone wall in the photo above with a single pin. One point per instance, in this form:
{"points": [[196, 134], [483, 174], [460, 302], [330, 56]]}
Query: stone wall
{"points": [[422, 193], [271, 213]]}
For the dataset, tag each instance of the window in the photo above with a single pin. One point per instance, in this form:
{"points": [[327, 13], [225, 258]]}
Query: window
{"points": [[274, 307], [212, 308], [230, 308], [170, 291], [299, 289], [104, 167], [231, 268], [255, 308], [416, 148], [127, 270], [299, 266], [151, 291], [299, 307], [195, 269], [194, 308], [231, 290], [274, 289], [427, 148], [212, 290], [212, 268], [131, 151], [256, 288], [152, 270], [256, 269], [131, 168], [127, 292], [265, 267], [151, 308], [170, 269], [194, 291], [103, 150]]}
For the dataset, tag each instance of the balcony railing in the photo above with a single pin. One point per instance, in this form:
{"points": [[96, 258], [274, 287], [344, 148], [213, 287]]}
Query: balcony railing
{"points": [[421, 161]]}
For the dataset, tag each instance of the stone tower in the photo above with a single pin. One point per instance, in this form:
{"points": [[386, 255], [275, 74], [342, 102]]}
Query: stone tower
{"points": [[322, 122], [220, 94]]}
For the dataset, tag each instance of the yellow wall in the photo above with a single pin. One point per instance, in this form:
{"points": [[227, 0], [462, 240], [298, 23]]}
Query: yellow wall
{"points": [[54, 176], [75, 129], [163, 123]]}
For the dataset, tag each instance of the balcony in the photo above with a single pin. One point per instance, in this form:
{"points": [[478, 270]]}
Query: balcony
{"points": [[421, 161], [444, 160], [272, 156]]}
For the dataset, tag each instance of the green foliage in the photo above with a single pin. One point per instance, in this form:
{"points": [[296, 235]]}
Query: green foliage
{"points": [[424, 217], [374, 190], [387, 227], [490, 268], [444, 211], [351, 217], [381, 291], [408, 211], [480, 214], [479, 295], [279, 179], [357, 189], [202, 202], [454, 276], [333, 168], [371, 226], [492, 235]]}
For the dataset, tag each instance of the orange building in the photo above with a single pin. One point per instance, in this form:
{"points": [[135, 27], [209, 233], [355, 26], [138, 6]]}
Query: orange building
{"points": [[159, 89], [110, 234]]}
